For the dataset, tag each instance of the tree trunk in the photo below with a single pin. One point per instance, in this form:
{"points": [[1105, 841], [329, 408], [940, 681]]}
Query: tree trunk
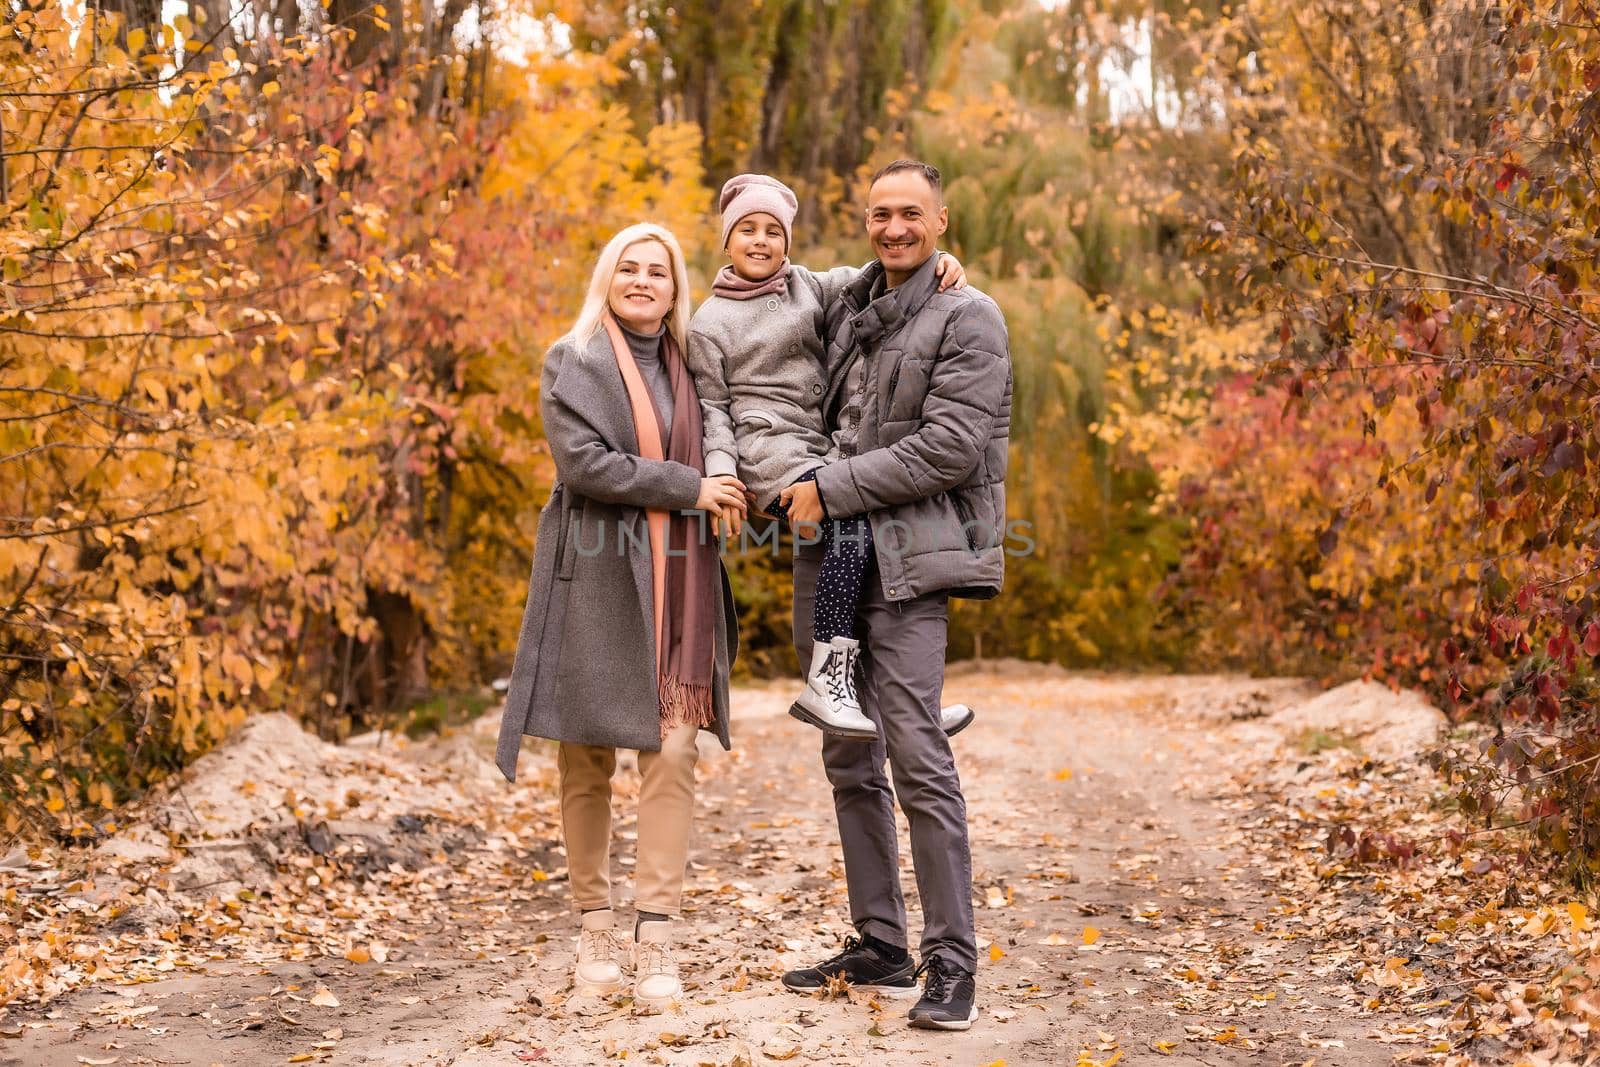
{"points": [[400, 657], [136, 15], [359, 16]]}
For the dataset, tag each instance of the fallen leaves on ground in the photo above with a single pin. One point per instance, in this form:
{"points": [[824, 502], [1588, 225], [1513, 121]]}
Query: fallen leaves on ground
{"points": [[1325, 910], [1419, 911]]}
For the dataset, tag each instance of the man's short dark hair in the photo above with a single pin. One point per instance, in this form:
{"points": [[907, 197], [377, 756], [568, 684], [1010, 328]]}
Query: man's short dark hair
{"points": [[929, 172]]}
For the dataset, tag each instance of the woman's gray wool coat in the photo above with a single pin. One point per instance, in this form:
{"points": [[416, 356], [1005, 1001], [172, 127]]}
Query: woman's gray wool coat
{"points": [[585, 665]]}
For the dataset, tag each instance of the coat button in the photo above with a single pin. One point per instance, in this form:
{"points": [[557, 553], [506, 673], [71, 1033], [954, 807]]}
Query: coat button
{"points": [[816, 390], [794, 348], [894, 592], [772, 305]]}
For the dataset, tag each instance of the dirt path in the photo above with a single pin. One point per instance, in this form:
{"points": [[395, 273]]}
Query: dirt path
{"points": [[1124, 916]]}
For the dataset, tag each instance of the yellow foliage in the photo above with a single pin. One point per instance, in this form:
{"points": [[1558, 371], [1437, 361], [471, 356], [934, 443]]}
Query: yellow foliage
{"points": [[268, 424]]}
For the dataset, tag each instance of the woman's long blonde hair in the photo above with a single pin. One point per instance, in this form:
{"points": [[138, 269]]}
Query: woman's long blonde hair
{"points": [[595, 303]]}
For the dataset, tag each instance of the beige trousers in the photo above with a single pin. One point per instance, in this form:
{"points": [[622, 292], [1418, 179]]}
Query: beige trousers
{"points": [[666, 808]]}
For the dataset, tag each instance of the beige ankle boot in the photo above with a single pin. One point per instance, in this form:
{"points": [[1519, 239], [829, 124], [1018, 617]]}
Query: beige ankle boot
{"points": [[600, 955], [655, 984]]}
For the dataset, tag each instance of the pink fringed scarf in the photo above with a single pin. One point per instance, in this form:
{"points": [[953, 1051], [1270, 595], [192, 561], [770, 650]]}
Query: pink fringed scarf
{"points": [[683, 553]]}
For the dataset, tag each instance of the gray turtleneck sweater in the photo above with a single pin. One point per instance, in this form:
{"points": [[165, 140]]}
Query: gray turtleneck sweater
{"points": [[646, 349]]}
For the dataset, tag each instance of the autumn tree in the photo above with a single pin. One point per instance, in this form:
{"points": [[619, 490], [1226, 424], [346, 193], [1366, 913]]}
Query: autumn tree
{"points": [[799, 89], [1413, 204], [268, 416]]}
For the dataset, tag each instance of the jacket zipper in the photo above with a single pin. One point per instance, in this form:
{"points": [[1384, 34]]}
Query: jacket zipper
{"points": [[888, 394]]}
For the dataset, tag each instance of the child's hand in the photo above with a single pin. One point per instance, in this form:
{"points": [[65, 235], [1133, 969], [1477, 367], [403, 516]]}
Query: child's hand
{"points": [[950, 272]]}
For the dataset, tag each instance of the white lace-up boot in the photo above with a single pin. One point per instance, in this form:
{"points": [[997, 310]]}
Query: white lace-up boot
{"points": [[600, 955], [829, 700], [655, 984]]}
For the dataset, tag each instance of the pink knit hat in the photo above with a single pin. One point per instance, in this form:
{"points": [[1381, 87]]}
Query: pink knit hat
{"points": [[750, 193]]}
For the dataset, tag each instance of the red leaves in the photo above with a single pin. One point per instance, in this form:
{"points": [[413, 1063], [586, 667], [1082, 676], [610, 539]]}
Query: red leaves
{"points": [[1566, 456], [1487, 511], [1328, 539], [1509, 173], [1523, 446], [1371, 848]]}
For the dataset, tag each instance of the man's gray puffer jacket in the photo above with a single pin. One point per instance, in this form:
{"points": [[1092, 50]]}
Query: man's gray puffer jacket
{"points": [[929, 458]]}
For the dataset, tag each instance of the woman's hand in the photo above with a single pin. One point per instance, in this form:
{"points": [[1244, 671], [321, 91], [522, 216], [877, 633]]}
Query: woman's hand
{"points": [[950, 272], [723, 496]]}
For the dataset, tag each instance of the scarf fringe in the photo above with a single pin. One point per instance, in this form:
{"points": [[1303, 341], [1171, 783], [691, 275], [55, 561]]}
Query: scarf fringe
{"points": [[684, 704]]}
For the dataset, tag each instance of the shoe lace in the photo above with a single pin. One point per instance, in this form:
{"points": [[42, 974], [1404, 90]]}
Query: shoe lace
{"points": [[654, 958], [600, 945], [852, 945], [836, 667], [939, 973]]}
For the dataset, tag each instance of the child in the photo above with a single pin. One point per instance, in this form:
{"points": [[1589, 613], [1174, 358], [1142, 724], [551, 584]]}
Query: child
{"points": [[759, 360]]}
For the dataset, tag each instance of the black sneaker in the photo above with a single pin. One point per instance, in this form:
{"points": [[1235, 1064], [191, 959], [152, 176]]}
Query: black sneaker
{"points": [[949, 997], [862, 966]]}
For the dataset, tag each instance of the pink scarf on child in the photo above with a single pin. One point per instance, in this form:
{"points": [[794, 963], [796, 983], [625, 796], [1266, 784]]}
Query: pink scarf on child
{"points": [[731, 284]]}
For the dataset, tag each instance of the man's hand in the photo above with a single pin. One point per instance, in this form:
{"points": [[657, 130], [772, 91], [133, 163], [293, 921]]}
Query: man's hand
{"points": [[804, 504], [950, 272]]}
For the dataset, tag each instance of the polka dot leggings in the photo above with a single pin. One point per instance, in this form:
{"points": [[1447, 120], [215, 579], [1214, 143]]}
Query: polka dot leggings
{"points": [[847, 548]]}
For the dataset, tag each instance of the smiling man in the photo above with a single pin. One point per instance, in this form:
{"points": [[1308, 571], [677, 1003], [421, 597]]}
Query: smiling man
{"points": [[919, 402]]}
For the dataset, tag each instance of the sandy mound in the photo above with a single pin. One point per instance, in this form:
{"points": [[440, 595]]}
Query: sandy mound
{"points": [[273, 791], [1225, 698], [272, 771], [1383, 723]]}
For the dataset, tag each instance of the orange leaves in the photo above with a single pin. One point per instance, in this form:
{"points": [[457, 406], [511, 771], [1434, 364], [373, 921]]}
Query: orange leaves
{"points": [[129, 421], [272, 419], [237, 667], [1394, 974], [373, 952], [326, 163], [578, 153], [100, 792], [1467, 475]]}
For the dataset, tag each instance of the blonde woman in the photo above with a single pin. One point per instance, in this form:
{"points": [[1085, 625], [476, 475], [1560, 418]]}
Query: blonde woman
{"points": [[629, 629]]}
